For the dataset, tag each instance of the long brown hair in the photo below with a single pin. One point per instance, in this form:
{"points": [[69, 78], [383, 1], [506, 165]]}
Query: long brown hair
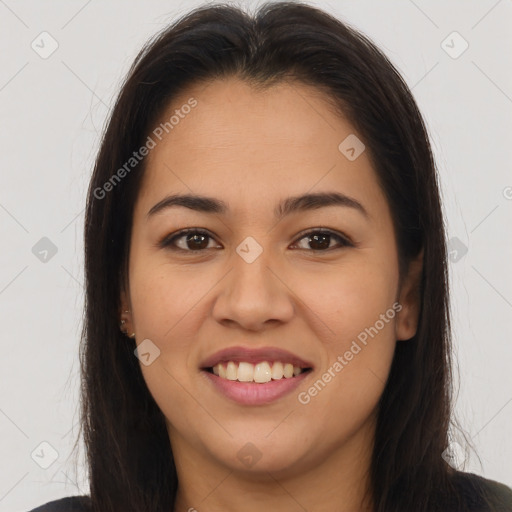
{"points": [[130, 462]]}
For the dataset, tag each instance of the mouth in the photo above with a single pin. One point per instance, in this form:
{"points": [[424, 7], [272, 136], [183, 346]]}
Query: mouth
{"points": [[262, 367]]}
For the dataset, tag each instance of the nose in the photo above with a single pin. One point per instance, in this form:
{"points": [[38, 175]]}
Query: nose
{"points": [[254, 296]]}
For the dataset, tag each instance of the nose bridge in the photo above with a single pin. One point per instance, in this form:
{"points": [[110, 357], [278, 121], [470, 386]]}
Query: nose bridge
{"points": [[251, 267], [253, 294]]}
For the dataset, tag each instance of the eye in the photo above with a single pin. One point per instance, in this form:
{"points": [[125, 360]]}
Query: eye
{"points": [[319, 240], [191, 240], [196, 240]]}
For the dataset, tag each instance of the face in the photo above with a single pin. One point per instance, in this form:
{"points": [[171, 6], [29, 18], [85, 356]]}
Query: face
{"points": [[316, 288]]}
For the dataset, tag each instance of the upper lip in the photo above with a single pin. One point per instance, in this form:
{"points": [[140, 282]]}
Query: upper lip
{"points": [[254, 355]]}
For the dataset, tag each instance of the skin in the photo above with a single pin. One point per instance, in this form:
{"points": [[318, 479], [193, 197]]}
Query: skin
{"points": [[252, 149]]}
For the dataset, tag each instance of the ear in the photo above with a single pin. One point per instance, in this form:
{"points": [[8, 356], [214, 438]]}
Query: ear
{"points": [[124, 297], [124, 292], [410, 300], [125, 309], [124, 303]]}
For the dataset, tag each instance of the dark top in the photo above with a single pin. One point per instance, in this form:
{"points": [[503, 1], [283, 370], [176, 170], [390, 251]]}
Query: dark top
{"points": [[69, 504], [471, 488]]}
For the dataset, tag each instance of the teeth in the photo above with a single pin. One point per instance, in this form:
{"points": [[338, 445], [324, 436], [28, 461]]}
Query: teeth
{"points": [[245, 372], [277, 370], [231, 371], [260, 372]]}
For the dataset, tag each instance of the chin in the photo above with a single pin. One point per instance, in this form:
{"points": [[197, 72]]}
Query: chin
{"points": [[252, 454]]}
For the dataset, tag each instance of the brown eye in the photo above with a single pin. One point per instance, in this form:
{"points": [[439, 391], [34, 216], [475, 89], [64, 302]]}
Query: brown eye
{"points": [[196, 241], [188, 240], [321, 240]]}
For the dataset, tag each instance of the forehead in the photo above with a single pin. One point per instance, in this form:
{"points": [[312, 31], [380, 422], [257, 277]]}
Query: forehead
{"points": [[239, 143]]}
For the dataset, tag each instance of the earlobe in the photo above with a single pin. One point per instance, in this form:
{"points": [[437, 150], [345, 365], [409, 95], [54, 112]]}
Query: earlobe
{"points": [[410, 299]]}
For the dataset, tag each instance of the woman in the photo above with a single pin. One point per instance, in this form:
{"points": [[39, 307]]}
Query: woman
{"points": [[267, 322]]}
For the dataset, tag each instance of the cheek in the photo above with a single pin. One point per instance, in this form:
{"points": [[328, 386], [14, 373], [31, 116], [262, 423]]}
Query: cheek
{"points": [[164, 300], [356, 366], [349, 298], [357, 332], [164, 297]]}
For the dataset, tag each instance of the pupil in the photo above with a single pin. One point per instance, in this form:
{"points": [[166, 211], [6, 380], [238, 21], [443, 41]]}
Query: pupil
{"points": [[315, 239], [196, 238]]}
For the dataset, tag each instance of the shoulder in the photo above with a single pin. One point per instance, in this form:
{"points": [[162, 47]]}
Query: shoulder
{"points": [[69, 504], [478, 491]]}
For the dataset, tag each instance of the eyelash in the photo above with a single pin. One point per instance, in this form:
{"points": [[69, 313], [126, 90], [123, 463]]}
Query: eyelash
{"points": [[169, 240]]}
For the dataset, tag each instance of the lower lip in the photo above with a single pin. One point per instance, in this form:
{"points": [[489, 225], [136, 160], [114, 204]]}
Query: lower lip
{"points": [[252, 393]]}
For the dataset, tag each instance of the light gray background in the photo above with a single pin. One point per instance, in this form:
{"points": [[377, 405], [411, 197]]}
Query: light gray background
{"points": [[52, 113]]}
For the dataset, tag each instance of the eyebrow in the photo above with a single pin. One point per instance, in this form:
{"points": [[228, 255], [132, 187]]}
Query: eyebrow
{"points": [[286, 207]]}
